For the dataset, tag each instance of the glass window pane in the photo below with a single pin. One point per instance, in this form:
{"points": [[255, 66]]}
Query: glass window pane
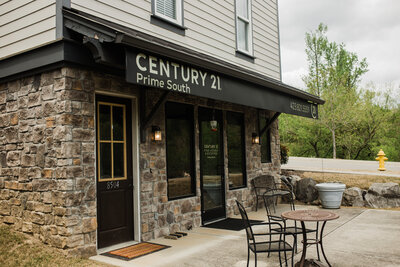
{"points": [[242, 35], [236, 157], [265, 140], [179, 142], [211, 157], [105, 160], [119, 160], [118, 123], [212, 163], [179, 157], [105, 122], [242, 8]]}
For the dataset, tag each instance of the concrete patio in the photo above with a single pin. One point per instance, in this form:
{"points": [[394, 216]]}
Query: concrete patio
{"points": [[360, 237]]}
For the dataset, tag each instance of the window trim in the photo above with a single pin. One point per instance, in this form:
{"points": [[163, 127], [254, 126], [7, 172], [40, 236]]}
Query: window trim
{"points": [[179, 13], [248, 20], [193, 152], [244, 156]]}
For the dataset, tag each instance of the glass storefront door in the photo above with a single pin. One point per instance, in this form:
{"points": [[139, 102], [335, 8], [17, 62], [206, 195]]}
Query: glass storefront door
{"points": [[211, 165]]}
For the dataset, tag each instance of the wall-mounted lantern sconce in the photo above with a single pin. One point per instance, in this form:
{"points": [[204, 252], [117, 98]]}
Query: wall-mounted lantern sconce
{"points": [[255, 139], [156, 133]]}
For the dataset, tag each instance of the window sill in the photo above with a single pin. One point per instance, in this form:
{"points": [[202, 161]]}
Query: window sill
{"points": [[245, 56], [182, 197], [236, 188], [168, 25]]}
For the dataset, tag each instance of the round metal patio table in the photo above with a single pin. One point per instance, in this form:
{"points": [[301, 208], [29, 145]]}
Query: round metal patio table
{"points": [[310, 216]]}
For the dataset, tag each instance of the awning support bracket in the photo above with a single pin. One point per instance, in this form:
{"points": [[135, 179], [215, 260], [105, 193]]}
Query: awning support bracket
{"points": [[145, 121], [269, 123]]}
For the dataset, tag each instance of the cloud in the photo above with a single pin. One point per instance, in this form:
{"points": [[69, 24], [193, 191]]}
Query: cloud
{"points": [[370, 28]]}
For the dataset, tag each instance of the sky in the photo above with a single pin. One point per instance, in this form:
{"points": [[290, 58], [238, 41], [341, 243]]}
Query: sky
{"points": [[370, 28]]}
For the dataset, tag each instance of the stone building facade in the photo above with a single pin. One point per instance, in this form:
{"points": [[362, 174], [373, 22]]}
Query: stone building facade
{"points": [[82, 101], [47, 182]]}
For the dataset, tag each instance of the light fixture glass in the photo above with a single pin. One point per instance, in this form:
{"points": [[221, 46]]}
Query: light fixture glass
{"points": [[213, 122], [255, 139], [214, 125], [156, 133]]}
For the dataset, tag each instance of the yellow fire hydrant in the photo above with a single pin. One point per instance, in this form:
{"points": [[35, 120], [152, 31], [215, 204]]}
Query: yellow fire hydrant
{"points": [[381, 158]]}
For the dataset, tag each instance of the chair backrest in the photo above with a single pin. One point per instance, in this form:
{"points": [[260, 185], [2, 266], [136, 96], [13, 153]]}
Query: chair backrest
{"points": [[246, 222], [269, 198], [262, 183]]}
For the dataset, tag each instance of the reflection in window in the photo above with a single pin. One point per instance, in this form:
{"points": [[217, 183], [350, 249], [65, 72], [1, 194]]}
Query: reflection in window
{"points": [[180, 154], [265, 141], [236, 150]]}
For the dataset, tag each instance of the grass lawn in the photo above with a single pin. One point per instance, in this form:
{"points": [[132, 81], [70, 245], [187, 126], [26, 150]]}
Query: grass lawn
{"points": [[17, 249], [351, 180]]}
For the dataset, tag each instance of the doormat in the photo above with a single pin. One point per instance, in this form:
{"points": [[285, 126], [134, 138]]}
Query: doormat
{"points": [[135, 251], [232, 224]]}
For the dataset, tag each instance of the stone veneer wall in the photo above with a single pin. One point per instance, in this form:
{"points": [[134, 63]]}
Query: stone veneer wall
{"points": [[158, 215], [47, 160], [47, 185]]}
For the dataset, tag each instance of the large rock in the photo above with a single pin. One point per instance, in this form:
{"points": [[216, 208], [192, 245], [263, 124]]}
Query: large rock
{"points": [[383, 195], [289, 182], [306, 190], [353, 197], [385, 189], [381, 202], [293, 180]]}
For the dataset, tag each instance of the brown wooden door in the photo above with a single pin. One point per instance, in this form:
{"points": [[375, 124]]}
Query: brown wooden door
{"points": [[114, 170]]}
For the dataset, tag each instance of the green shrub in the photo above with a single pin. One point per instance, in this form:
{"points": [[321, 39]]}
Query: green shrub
{"points": [[284, 154]]}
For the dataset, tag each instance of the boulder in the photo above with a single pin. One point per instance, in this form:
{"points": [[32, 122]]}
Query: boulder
{"points": [[385, 189], [383, 195], [289, 182], [294, 179], [306, 190], [353, 197], [377, 202]]}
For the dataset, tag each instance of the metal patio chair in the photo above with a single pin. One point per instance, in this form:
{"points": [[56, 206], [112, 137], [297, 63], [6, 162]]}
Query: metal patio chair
{"points": [[269, 197], [278, 244], [264, 183]]}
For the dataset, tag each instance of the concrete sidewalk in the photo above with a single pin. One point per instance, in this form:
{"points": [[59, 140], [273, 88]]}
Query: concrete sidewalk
{"points": [[360, 237], [342, 166]]}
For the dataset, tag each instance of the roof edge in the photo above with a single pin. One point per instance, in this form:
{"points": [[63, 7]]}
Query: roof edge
{"points": [[134, 38]]}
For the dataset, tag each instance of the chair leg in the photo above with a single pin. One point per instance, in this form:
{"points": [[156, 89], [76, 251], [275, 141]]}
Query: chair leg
{"points": [[269, 245], [255, 259], [248, 256], [256, 203], [285, 259], [292, 257], [316, 238]]}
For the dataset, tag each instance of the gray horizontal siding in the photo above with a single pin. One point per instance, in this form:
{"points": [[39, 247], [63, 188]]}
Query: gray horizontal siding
{"points": [[25, 25], [211, 27]]}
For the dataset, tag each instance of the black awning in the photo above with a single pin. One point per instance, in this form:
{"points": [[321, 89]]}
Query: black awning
{"points": [[153, 70], [154, 62]]}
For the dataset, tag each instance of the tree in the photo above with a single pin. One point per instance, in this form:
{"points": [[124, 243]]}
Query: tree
{"points": [[333, 74], [355, 122]]}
